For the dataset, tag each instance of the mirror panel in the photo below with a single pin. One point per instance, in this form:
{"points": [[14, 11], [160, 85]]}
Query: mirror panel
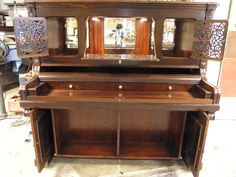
{"points": [[119, 33]]}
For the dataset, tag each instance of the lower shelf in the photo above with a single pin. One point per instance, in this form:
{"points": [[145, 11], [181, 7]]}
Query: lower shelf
{"points": [[88, 149], [118, 134], [128, 150], [147, 150]]}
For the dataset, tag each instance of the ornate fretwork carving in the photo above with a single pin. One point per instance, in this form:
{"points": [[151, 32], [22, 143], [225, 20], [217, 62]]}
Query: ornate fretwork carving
{"points": [[210, 39], [31, 37]]}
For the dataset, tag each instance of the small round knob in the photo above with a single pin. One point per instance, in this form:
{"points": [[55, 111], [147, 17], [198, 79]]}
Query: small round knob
{"points": [[170, 87], [70, 86], [120, 87], [120, 61]]}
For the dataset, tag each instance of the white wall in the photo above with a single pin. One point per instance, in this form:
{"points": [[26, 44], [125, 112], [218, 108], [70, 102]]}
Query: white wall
{"points": [[213, 69], [222, 10], [232, 20], [2, 6]]}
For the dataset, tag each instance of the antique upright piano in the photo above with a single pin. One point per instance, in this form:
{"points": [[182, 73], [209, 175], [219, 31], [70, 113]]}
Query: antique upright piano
{"points": [[120, 79]]}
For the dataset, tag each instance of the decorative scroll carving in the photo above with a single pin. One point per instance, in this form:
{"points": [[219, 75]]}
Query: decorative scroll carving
{"points": [[209, 13], [210, 39], [31, 37], [31, 10]]}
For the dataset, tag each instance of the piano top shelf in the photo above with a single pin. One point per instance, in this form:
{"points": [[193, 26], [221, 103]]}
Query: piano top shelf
{"points": [[96, 89], [122, 96]]}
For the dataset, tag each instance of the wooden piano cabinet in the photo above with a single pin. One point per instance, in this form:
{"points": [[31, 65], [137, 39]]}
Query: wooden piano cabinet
{"points": [[120, 89]]}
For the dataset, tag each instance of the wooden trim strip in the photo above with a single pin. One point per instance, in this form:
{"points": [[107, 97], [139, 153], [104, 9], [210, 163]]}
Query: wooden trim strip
{"points": [[108, 77], [117, 105]]}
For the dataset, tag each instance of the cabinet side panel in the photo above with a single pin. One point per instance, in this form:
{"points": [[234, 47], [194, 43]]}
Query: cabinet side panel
{"points": [[43, 136], [194, 140]]}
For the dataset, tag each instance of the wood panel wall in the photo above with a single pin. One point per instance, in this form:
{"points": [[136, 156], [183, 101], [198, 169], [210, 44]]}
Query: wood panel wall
{"points": [[96, 36], [143, 35]]}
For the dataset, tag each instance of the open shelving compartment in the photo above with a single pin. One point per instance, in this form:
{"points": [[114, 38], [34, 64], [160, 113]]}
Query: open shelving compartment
{"points": [[129, 134], [85, 132], [151, 134]]}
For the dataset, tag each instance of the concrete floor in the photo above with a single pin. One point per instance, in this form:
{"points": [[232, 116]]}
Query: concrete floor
{"points": [[16, 155]]}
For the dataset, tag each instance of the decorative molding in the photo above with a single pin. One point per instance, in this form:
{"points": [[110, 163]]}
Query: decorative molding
{"points": [[31, 10]]}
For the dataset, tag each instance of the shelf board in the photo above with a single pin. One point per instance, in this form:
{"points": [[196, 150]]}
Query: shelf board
{"points": [[88, 149], [147, 150], [139, 150], [127, 96]]}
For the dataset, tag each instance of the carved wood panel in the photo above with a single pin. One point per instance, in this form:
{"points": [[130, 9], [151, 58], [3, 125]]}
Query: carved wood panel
{"points": [[210, 39], [31, 37], [194, 129], [194, 140], [41, 124]]}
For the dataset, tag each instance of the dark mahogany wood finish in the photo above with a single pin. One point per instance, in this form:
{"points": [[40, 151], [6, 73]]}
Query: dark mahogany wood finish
{"points": [[127, 103]]}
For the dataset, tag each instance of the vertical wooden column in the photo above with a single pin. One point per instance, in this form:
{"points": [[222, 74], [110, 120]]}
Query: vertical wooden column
{"points": [[82, 35], [184, 36], [142, 39], [56, 36], [158, 35], [96, 36], [178, 36]]}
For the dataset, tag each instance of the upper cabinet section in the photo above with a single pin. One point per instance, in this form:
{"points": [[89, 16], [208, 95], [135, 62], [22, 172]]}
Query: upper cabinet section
{"points": [[195, 39], [144, 31]]}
